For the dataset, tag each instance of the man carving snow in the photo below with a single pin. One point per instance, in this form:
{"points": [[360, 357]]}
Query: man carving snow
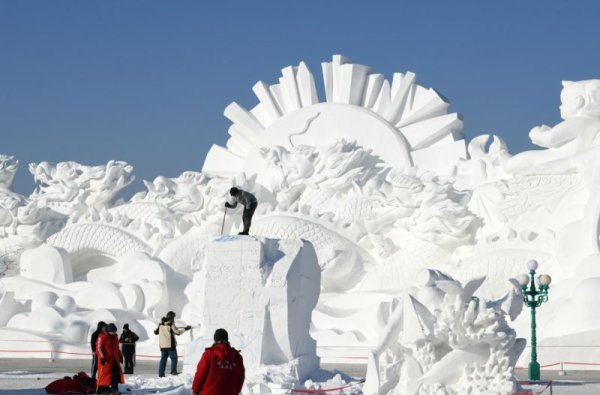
{"points": [[249, 202]]}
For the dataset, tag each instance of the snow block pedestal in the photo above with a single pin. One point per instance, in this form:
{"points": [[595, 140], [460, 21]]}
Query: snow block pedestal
{"points": [[263, 292]]}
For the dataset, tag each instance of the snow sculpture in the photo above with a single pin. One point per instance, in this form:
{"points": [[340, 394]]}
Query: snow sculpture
{"points": [[22, 222], [192, 199], [440, 339], [8, 169], [579, 132], [483, 166], [263, 292], [9, 307], [9, 200], [72, 189], [537, 201], [543, 204], [60, 313], [47, 264], [403, 123], [374, 175], [343, 183]]}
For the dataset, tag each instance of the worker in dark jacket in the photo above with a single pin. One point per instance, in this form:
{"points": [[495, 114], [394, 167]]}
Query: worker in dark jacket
{"points": [[127, 340], [220, 370], [249, 202], [93, 341]]}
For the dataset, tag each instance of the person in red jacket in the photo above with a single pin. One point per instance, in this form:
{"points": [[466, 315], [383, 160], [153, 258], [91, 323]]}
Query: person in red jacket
{"points": [[220, 370], [110, 358]]}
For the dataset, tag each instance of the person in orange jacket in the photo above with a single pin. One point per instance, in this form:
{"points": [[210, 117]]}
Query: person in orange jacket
{"points": [[220, 370], [110, 358]]}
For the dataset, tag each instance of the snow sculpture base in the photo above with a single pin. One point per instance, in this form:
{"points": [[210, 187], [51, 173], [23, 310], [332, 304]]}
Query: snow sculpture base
{"points": [[46, 263], [262, 291]]}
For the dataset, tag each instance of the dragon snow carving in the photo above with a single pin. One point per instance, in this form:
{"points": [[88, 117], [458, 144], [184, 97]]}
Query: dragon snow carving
{"points": [[343, 191], [23, 222], [324, 189], [76, 189]]}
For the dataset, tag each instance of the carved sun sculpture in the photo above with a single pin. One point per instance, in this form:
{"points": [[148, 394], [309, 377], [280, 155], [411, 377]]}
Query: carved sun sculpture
{"points": [[401, 122]]}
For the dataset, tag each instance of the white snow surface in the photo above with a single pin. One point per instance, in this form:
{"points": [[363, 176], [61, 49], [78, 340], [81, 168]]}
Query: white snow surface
{"points": [[25, 382], [29, 383]]}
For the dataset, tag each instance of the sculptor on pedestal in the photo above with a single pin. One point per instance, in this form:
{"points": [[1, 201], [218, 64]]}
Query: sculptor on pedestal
{"points": [[249, 202]]}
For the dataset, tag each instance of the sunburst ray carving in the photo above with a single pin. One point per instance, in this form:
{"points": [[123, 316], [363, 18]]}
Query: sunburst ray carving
{"points": [[409, 124]]}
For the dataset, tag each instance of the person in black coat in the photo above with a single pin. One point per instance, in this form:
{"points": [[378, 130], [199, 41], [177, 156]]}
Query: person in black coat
{"points": [[93, 341], [127, 340], [249, 202]]}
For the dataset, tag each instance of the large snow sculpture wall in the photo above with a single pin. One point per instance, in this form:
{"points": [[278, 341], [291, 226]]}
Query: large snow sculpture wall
{"points": [[375, 175], [262, 291]]}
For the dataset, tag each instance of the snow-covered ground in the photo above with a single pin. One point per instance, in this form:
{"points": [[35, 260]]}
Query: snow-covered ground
{"points": [[31, 376], [24, 382], [566, 388], [28, 383]]}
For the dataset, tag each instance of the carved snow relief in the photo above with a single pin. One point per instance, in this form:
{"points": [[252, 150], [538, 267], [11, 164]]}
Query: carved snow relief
{"points": [[375, 175]]}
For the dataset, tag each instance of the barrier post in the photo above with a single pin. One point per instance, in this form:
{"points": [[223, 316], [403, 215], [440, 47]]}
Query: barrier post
{"points": [[51, 356], [561, 372]]}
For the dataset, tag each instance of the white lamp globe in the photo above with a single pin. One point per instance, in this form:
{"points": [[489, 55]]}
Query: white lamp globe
{"points": [[532, 265], [523, 279], [545, 279]]}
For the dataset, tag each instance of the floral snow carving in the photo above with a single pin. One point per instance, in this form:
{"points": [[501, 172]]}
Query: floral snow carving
{"points": [[441, 339]]}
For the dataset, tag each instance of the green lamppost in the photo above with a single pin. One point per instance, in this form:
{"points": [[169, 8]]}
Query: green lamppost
{"points": [[533, 298]]}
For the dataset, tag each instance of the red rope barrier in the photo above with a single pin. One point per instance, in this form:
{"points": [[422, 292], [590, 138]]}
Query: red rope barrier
{"points": [[325, 390], [581, 363], [562, 362], [542, 366], [49, 351], [89, 354]]}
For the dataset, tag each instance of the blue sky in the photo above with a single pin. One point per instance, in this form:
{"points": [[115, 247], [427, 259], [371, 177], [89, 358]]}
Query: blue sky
{"points": [[147, 81]]}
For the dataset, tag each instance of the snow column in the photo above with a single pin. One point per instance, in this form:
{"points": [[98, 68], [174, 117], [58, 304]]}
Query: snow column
{"points": [[262, 291]]}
